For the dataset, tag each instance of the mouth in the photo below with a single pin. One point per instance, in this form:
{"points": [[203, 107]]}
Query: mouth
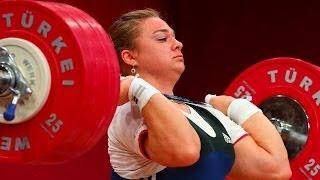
{"points": [[180, 56]]}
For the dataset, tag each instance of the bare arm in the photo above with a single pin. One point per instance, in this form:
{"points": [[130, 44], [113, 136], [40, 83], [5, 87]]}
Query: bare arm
{"points": [[171, 140], [262, 155]]}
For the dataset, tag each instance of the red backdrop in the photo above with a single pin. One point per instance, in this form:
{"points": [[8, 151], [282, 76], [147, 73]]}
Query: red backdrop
{"points": [[221, 38]]}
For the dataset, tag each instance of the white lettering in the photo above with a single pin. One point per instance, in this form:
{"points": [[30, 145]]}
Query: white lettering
{"points": [[312, 167], [68, 82], [7, 17], [5, 143], [44, 29], [66, 65], [306, 83], [316, 96], [52, 125], [27, 15], [291, 75], [58, 44], [239, 91], [272, 74], [242, 93], [22, 143]]}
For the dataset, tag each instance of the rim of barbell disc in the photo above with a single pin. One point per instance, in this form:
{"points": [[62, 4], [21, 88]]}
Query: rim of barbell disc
{"points": [[34, 66]]}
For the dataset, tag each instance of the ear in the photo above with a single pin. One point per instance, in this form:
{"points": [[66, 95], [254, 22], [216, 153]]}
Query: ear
{"points": [[129, 57]]}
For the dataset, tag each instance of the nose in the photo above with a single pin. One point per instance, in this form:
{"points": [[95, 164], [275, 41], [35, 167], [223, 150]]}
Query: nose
{"points": [[177, 45]]}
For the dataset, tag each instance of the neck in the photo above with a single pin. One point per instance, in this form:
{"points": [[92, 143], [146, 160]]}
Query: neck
{"points": [[164, 84]]}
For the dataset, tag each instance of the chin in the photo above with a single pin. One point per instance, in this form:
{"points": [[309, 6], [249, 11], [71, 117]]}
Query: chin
{"points": [[183, 68], [180, 70]]}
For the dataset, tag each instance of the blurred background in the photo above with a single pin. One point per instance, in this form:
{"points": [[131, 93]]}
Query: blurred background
{"points": [[221, 39]]}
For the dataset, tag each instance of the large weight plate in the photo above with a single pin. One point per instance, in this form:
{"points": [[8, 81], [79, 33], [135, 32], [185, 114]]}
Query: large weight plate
{"points": [[288, 92], [84, 91], [90, 24], [90, 46], [96, 39]]}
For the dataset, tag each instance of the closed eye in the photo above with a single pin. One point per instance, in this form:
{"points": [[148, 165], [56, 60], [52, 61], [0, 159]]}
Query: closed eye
{"points": [[162, 39]]}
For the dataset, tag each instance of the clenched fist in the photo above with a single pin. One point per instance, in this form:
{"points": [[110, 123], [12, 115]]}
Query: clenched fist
{"points": [[221, 102], [124, 88]]}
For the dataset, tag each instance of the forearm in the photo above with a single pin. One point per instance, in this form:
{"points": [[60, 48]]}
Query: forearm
{"points": [[262, 154], [256, 124], [171, 140], [265, 135]]}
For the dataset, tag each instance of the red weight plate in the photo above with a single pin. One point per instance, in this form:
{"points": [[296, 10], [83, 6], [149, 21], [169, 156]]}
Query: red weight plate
{"points": [[89, 48], [89, 23], [98, 29], [96, 46], [99, 33], [290, 88], [71, 104], [100, 49]]}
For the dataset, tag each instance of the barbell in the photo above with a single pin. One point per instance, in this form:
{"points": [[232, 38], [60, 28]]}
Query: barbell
{"points": [[59, 87]]}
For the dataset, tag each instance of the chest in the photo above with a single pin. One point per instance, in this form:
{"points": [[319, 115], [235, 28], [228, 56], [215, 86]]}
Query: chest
{"points": [[213, 135]]}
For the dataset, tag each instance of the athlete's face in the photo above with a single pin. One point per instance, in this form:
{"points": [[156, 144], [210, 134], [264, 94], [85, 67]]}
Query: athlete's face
{"points": [[158, 52]]}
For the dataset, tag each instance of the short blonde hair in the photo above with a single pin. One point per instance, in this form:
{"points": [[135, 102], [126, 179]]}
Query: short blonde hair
{"points": [[125, 30]]}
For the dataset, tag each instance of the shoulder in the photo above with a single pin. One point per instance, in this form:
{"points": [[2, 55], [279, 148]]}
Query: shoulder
{"points": [[125, 114], [123, 144], [126, 122]]}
